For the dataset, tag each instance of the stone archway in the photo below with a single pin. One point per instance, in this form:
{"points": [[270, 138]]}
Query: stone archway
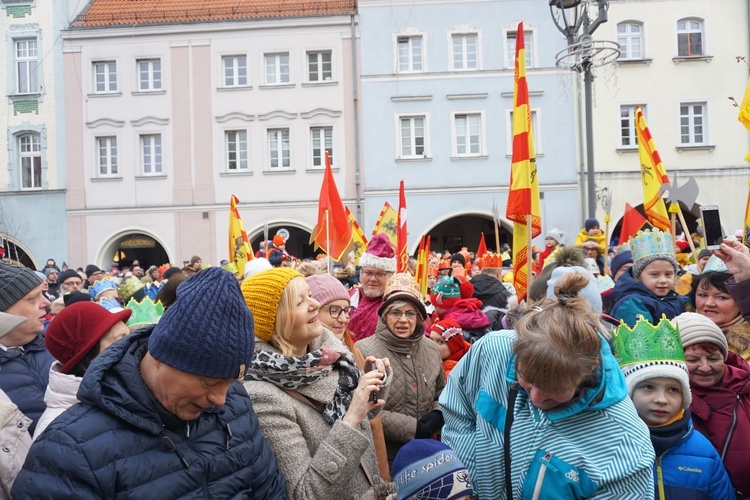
{"points": [[464, 230], [690, 219], [297, 245], [15, 252], [134, 244]]}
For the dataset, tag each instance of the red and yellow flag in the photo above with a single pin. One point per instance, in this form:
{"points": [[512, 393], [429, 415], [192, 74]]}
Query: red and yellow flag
{"points": [[387, 223], [423, 256], [239, 245], [523, 198], [402, 235], [653, 175], [744, 115], [746, 224], [358, 237], [333, 231]]}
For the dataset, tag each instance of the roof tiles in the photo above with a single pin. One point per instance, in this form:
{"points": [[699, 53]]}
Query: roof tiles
{"points": [[104, 13]]}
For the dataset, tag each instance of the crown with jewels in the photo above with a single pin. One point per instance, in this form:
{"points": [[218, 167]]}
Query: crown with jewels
{"points": [[645, 343], [491, 261], [152, 289], [128, 287], [715, 264], [651, 243], [145, 312], [100, 286]]}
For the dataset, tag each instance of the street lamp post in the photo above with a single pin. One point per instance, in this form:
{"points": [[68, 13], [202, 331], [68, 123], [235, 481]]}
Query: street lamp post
{"points": [[582, 54]]}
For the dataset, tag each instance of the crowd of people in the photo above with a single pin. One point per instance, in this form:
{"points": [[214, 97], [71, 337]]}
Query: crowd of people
{"points": [[622, 373]]}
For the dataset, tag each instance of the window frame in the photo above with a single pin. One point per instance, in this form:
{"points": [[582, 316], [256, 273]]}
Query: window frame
{"points": [[510, 57], [151, 81], [107, 77], [692, 126], [331, 150], [33, 66], [279, 155], [278, 66], [481, 135], [321, 73], [239, 150], [536, 126], [631, 124], [409, 34], [158, 169], [110, 156], [687, 31], [236, 77], [35, 156], [628, 37], [463, 33], [426, 146]]}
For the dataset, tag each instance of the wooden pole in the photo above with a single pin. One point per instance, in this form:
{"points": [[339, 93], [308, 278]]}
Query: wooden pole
{"points": [[497, 235], [687, 236], [607, 218], [673, 209]]}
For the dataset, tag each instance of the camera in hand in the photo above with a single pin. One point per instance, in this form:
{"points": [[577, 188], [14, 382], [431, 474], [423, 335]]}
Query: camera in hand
{"points": [[373, 394]]}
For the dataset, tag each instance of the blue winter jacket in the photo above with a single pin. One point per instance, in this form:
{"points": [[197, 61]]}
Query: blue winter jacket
{"points": [[119, 442], [692, 470], [24, 376], [631, 298]]}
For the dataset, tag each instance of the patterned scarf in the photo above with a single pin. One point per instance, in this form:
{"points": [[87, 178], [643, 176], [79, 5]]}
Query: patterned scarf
{"points": [[290, 372]]}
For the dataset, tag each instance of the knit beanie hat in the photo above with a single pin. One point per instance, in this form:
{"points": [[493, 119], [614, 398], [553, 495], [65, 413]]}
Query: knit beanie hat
{"points": [[453, 336], [590, 224], [278, 240], [15, 283], [171, 272], [704, 253], [619, 260], [325, 289], [403, 286], [66, 275], [379, 254], [91, 269], [77, 329], [262, 293], [8, 323], [650, 246], [556, 235], [590, 292], [696, 329], [647, 351], [77, 296], [446, 292], [208, 331], [458, 257], [428, 469], [253, 267]]}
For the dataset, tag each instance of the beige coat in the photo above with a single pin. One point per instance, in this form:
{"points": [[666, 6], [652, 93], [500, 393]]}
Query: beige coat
{"points": [[15, 441], [320, 461], [418, 380]]}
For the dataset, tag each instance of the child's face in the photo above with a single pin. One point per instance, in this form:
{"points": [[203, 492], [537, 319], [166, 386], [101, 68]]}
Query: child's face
{"points": [[593, 231], [441, 345], [658, 276], [657, 400]]}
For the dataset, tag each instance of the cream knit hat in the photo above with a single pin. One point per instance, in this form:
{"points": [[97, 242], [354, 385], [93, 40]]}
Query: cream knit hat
{"points": [[696, 328]]}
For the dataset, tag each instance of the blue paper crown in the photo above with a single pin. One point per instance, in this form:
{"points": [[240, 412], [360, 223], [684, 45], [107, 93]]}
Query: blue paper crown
{"points": [[715, 264], [651, 243], [100, 286]]}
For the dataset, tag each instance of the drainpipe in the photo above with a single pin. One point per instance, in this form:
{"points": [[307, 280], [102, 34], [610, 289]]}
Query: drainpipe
{"points": [[355, 99]]}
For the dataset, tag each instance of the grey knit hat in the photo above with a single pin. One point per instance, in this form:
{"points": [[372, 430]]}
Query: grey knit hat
{"points": [[638, 265], [15, 283], [697, 329]]}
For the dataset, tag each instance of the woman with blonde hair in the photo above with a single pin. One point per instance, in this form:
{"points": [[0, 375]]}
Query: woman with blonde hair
{"points": [[544, 411], [311, 401]]}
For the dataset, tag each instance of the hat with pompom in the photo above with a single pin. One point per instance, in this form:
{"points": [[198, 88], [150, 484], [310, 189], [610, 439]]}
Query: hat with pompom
{"points": [[379, 254]]}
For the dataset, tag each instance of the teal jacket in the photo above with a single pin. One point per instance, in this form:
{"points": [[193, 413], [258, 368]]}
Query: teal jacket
{"points": [[596, 448]]}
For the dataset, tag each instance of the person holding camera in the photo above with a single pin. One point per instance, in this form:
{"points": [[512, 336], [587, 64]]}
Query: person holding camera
{"points": [[311, 401]]}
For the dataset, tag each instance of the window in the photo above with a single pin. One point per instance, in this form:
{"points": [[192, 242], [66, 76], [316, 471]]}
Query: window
{"points": [[689, 38], [277, 68], [468, 134], [692, 124], [235, 71], [105, 77], [27, 64], [236, 150], [412, 137], [107, 147], [529, 48], [30, 151], [149, 75], [319, 66], [322, 141], [465, 51], [409, 54], [535, 128], [278, 148], [151, 149], [628, 135], [630, 38]]}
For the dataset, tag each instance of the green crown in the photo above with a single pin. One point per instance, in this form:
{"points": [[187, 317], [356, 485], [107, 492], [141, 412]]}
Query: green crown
{"points": [[145, 312], [648, 243], [646, 342]]}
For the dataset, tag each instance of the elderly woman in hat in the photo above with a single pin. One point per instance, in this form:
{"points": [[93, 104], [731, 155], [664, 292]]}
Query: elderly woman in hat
{"points": [[720, 385], [311, 400], [412, 410]]}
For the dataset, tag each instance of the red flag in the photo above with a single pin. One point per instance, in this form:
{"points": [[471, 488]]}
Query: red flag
{"points": [[632, 221], [333, 231], [482, 248], [402, 254]]}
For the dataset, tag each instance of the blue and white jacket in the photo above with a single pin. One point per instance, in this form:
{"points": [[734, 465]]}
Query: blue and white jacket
{"points": [[596, 448]]}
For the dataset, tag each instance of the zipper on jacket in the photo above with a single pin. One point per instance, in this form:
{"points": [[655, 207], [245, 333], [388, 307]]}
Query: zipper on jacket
{"points": [[731, 428], [540, 477], [660, 479]]}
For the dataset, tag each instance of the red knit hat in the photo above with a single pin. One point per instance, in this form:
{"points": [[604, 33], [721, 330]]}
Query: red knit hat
{"points": [[453, 336], [278, 240], [77, 329]]}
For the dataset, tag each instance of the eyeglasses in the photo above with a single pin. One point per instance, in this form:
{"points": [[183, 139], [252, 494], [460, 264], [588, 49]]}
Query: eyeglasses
{"points": [[378, 276], [396, 314], [336, 311]]}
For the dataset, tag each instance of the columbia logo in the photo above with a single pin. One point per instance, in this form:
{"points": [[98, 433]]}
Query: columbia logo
{"points": [[573, 476], [689, 469]]}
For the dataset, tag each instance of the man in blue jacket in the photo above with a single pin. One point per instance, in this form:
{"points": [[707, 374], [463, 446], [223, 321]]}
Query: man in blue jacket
{"points": [[24, 360], [161, 413]]}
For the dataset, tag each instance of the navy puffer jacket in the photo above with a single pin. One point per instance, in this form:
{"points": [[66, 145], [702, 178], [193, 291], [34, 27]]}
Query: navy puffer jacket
{"points": [[119, 442], [24, 376]]}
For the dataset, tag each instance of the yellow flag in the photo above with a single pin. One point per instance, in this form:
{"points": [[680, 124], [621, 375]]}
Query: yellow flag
{"points": [[387, 223], [239, 245], [744, 116], [653, 175], [358, 237]]}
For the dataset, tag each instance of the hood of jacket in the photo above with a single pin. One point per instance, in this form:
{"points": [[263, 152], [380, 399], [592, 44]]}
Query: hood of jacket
{"points": [[735, 382], [609, 387], [627, 287], [490, 291], [467, 313], [61, 389]]}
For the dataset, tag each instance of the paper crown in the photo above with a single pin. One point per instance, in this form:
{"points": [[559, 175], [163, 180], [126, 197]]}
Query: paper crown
{"points": [[651, 243], [490, 261], [445, 264], [145, 312], [128, 287], [715, 264], [163, 269], [110, 304], [432, 271], [644, 343], [100, 286]]}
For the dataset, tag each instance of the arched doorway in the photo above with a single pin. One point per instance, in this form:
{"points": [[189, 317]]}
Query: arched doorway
{"points": [[690, 219], [13, 252], [128, 246], [297, 244], [464, 230]]}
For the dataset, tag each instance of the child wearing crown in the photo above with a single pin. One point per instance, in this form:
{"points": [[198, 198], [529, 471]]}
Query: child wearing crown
{"points": [[652, 360], [647, 289]]}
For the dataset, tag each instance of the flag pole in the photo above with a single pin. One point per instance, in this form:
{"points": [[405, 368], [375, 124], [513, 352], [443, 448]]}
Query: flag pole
{"points": [[530, 277], [673, 209], [687, 236], [328, 242], [497, 228], [607, 218]]}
